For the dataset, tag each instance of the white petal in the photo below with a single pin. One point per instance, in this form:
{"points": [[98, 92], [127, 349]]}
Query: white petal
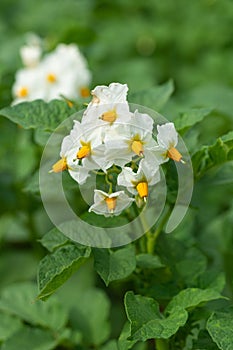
{"points": [[167, 135], [79, 174]]}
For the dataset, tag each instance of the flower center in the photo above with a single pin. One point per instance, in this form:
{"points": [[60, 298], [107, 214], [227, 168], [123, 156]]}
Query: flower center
{"points": [[84, 91], [174, 154], [59, 166], [142, 188], [111, 203], [84, 151], [51, 78], [109, 116], [22, 92], [137, 147]]}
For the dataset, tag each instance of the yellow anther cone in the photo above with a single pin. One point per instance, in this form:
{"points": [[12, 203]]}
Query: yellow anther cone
{"points": [[111, 203], [142, 188], [109, 116], [137, 147], [59, 166], [83, 152], [174, 154]]}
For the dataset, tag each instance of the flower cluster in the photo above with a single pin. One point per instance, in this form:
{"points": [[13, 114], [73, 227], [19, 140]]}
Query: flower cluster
{"points": [[61, 73], [112, 139]]}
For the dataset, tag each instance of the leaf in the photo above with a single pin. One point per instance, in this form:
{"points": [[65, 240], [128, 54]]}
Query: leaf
{"points": [[220, 328], [209, 156], [8, 326], [90, 316], [188, 119], [53, 239], [146, 320], [19, 299], [38, 114], [115, 265], [149, 261], [155, 98], [192, 297], [123, 342], [56, 268], [30, 339]]}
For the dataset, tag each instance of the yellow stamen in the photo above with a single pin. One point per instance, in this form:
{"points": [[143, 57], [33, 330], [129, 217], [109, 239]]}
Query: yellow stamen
{"points": [[111, 203], [174, 154], [59, 166], [84, 91], [109, 116], [51, 78], [137, 147], [84, 151], [70, 104], [22, 92], [142, 188]]}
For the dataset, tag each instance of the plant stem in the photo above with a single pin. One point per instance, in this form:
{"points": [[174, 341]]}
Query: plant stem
{"points": [[161, 344]]}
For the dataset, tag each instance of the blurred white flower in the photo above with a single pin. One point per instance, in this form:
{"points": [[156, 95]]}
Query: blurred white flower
{"points": [[31, 52], [61, 73], [146, 175], [110, 204]]}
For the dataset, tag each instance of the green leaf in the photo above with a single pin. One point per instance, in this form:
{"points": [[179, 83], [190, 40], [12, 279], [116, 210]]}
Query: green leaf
{"points": [[220, 328], [149, 261], [38, 114], [56, 268], [54, 239], [8, 326], [19, 299], [192, 297], [147, 322], [115, 265], [90, 316], [30, 339], [123, 342], [188, 119], [155, 97], [209, 156]]}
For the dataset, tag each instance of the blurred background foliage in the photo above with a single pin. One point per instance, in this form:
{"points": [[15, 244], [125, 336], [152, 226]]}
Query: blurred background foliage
{"points": [[141, 43]]}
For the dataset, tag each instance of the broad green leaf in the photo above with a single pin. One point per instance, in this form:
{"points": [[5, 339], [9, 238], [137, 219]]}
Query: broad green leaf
{"points": [[53, 239], [123, 342], [19, 299], [146, 320], [38, 114], [30, 339], [56, 268], [8, 325], [90, 316], [192, 297], [187, 119], [115, 265], [220, 328], [209, 156], [149, 261], [155, 97]]}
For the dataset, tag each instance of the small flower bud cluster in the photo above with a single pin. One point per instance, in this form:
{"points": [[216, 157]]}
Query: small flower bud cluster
{"points": [[111, 139], [61, 73]]}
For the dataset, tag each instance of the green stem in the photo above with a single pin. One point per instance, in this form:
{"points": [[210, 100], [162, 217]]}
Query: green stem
{"points": [[161, 344], [109, 183]]}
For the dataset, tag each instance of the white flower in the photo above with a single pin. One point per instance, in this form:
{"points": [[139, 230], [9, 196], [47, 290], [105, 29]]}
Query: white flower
{"points": [[65, 73], [114, 93], [62, 72], [129, 139], [167, 140], [147, 175], [27, 86], [81, 151], [110, 204], [108, 106], [32, 51]]}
